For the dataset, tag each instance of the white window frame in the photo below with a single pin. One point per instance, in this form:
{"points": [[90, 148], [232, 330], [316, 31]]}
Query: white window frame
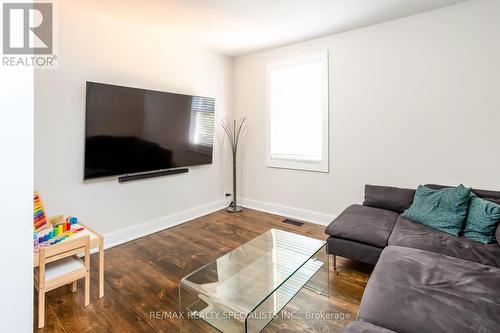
{"points": [[283, 163]]}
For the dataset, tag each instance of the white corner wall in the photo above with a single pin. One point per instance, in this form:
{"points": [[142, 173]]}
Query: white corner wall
{"points": [[412, 101], [100, 46], [16, 199]]}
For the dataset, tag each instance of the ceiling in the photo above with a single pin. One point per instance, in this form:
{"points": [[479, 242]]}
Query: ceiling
{"points": [[237, 27]]}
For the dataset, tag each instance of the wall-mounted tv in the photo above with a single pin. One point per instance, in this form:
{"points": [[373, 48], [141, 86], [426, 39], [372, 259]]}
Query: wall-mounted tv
{"points": [[130, 130]]}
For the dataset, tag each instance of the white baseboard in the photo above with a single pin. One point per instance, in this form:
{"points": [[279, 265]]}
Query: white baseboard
{"points": [[290, 212], [147, 228]]}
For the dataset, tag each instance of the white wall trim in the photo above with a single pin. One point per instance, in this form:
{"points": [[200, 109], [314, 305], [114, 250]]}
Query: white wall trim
{"points": [[286, 211], [137, 231], [162, 223]]}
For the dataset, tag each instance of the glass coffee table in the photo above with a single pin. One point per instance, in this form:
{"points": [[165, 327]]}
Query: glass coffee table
{"points": [[245, 289]]}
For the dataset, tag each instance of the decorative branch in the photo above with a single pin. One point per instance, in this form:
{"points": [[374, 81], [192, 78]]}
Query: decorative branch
{"points": [[233, 131]]}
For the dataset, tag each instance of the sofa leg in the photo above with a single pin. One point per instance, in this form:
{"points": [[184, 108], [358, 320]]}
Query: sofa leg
{"points": [[334, 262]]}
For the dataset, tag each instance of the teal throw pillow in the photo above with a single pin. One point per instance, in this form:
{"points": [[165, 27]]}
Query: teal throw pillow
{"points": [[482, 220], [444, 209]]}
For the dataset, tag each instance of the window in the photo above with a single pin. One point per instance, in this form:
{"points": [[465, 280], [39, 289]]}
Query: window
{"points": [[201, 127], [298, 113]]}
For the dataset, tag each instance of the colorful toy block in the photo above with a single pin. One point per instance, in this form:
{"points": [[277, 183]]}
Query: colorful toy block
{"points": [[39, 218]]}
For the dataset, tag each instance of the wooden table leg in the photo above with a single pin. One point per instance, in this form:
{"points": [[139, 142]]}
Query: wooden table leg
{"points": [[41, 308], [101, 269]]}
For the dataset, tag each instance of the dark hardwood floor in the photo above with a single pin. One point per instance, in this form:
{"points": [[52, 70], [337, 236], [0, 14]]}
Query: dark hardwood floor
{"points": [[141, 277]]}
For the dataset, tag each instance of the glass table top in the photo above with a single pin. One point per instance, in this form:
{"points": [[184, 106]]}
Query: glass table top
{"points": [[264, 273]]}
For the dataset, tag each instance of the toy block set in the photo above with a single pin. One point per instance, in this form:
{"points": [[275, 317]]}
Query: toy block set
{"points": [[40, 220], [53, 230]]}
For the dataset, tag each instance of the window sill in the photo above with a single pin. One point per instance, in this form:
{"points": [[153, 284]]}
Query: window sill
{"points": [[298, 165]]}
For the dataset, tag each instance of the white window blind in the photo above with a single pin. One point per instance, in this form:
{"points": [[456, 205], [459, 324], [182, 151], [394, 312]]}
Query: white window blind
{"points": [[201, 127], [298, 113]]}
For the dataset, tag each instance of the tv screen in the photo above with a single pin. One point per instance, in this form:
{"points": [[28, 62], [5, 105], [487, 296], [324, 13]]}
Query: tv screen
{"points": [[129, 130]]}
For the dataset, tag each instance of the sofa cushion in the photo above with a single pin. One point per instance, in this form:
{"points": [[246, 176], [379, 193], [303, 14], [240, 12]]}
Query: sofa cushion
{"points": [[495, 195], [497, 201], [413, 291], [364, 327], [482, 220], [410, 234], [390, 198], [354, 250], [444, 209], [363, 224], [497, 234]]}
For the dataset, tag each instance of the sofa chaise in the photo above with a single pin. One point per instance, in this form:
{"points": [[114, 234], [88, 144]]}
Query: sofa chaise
{"points": [[424, 280]]}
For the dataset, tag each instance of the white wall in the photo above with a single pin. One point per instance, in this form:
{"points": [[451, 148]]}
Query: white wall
{"points": [[412, 101], [102, 46], [16, 198]]}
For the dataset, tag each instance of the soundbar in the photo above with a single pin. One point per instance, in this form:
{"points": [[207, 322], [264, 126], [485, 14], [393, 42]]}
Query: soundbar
{"points": [[141, 176]]}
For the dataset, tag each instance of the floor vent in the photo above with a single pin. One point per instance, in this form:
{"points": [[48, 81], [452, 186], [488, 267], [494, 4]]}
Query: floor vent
{"points": [[293, 222]]}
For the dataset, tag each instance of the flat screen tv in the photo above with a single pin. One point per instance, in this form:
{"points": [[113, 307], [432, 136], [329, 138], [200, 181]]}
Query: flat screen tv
{"points": [[131, 131]]}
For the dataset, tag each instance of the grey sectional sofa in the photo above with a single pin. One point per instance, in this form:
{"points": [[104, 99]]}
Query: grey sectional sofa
{"points": [[424, 280]]}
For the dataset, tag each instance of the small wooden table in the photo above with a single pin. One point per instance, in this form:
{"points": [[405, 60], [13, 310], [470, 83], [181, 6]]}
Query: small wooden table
{"points": [[96, 241]]}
